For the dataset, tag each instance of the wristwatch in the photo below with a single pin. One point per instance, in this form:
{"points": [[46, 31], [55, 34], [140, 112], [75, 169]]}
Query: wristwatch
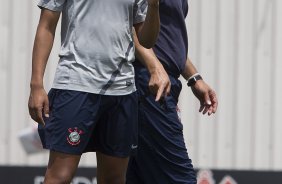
{"points": [[192, 80]]}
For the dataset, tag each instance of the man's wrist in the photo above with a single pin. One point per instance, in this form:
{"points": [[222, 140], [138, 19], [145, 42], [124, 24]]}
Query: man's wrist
{"points": [[36, 85], [154, 66], [193, 79]]}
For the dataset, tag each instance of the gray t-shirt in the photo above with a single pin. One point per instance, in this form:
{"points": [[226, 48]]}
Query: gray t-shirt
{"points": [[97, 48]]}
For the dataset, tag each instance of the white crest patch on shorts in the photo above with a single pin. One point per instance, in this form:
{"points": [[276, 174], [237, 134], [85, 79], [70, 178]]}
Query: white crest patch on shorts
{"points": [[74, 136]]}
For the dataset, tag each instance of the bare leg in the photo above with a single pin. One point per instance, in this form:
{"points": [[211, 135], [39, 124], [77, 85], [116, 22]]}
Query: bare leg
{"points": [[61, 168], [111, 170]]}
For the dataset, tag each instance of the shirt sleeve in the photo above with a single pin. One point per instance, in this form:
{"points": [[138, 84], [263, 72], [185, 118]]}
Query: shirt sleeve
{"points": [[140, 11], [53, 5]]}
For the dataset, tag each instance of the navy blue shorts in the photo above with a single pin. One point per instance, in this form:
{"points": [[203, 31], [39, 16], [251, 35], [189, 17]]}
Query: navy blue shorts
{"points": [[161, 156], [81, 122]]}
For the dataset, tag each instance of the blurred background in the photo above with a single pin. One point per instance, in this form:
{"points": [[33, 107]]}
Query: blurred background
{"points": [[235, 44]]}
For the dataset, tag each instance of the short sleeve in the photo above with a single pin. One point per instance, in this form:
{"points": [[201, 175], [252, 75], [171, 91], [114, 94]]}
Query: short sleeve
{"points": [[140, 10], [54, 5]]}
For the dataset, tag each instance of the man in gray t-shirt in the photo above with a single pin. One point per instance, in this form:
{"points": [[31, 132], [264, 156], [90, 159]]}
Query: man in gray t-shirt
{"points": [[96, 42], [92, 105]]}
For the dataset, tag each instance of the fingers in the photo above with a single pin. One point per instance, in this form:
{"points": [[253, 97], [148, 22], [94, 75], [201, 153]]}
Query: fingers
{"points": [[159, 93], [159, 86], [214, 101], [38, 105], [36, 114], [39, 116], [46, 108], [163, 90], [202, 107], [209, 105], [205, 108], [167, 89]]}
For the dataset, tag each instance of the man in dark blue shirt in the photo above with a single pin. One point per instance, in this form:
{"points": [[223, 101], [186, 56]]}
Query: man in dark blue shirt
{"points": [[162, 156]]}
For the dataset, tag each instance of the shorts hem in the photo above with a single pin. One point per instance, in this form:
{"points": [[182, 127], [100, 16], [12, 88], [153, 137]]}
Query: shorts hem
{"points": [[113, 154], [61, 150]]}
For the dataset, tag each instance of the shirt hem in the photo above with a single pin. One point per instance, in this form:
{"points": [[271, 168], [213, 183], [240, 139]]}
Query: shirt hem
{"points": [[96, 91]]}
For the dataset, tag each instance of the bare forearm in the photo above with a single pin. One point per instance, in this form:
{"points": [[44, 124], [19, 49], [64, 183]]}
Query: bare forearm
{"points": [[148, 59], [189, 69], [146, 56], [42, 47], [148, 34], [159, 83]]}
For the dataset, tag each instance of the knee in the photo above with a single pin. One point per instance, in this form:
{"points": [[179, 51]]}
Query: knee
{"points": [[58, 178], [114, 179]]}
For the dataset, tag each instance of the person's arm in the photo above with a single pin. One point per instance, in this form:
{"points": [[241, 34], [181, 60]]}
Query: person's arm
{"points": [[159, 83], [43, 43], [147, 32], [206, 95]]}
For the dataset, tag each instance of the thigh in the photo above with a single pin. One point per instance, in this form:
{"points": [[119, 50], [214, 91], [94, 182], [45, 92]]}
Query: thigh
{"points": [[61, 167], [111, 170]]}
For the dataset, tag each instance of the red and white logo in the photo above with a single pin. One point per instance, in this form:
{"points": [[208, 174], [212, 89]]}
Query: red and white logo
{"points": [[74, 136], [205, 177], [228, 180]]}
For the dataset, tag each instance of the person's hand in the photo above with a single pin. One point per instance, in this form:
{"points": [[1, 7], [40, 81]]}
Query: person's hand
{"points": [[38, 104], [159, 83], [206, 96]]}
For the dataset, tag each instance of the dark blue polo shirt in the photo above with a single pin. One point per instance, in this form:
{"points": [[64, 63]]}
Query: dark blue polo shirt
{"points": [[172, 45]]}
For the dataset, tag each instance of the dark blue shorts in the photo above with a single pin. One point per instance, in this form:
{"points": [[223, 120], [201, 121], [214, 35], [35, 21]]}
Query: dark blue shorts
{"points": [[81, 122], [162, 156]]}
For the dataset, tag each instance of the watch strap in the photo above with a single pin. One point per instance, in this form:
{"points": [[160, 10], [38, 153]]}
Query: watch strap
{"points": [[192, 80]]}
